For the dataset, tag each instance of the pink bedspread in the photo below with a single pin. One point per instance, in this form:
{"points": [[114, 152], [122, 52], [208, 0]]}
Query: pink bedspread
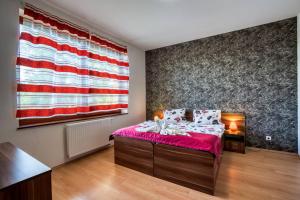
{"points": [[198, 141]]}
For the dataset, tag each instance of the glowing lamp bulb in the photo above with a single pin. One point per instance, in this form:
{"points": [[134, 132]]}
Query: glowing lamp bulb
{"points": [[233, 126], [156, 118]]}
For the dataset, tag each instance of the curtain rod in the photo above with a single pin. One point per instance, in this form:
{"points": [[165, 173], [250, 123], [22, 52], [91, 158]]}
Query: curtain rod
{"points": [[21, 12]]}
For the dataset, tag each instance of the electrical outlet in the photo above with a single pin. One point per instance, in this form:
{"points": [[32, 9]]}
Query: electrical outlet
{"points": [[268, 138]]}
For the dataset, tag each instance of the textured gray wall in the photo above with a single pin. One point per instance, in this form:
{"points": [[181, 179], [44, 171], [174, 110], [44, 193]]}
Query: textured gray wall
{"points": [[252, 71]]}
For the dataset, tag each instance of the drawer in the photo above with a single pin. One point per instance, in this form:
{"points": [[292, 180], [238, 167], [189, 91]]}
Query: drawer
{"points": [[187, 167], [134, 154], [236, 146]]}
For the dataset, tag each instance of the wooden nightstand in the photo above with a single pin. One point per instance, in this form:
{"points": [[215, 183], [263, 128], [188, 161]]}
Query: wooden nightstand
{"points": [[234, 141], [235, 132]]}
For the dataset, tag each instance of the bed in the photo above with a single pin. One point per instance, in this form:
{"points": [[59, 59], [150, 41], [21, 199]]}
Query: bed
{"points": [[188, 161]]}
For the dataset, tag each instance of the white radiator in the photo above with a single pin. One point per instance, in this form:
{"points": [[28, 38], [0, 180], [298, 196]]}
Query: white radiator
{"points": [[83, 137]]}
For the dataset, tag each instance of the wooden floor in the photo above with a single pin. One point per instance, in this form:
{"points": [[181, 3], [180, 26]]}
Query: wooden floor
{"points": [[257, 175]]}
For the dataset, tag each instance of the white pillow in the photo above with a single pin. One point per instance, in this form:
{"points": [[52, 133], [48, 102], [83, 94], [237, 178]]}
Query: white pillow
{"points": [[207, 117], [174, 115]]}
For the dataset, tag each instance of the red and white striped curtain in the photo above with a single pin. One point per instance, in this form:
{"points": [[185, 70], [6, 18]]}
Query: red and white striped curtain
{"points": [[64, 70]]}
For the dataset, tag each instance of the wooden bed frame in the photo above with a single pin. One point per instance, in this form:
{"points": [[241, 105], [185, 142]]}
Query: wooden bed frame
{"points": [[191, 168], [187, 167]]}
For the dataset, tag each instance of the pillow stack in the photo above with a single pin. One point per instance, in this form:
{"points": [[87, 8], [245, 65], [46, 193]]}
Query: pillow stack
{"points": [[200, 117], [174, 115], [207, 117]]}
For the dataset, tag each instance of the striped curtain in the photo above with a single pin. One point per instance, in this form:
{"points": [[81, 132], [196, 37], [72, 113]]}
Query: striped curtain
{"points": [[63, 70]]}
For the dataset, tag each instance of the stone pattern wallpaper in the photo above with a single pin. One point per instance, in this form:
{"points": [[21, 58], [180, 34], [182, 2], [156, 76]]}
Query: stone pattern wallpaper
{"points": [[253, 71]]}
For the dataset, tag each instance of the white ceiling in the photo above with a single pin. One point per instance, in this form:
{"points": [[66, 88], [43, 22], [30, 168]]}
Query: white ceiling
{"points": [[150, 24]]}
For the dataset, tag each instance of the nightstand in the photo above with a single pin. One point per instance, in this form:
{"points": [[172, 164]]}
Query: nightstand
{"points": [[234, 141], [235, 131]]}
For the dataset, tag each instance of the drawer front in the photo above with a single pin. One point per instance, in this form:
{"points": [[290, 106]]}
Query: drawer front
{"points": [[134, 154], [36, 188], [235, 146], [186, 167], [135, 143]]}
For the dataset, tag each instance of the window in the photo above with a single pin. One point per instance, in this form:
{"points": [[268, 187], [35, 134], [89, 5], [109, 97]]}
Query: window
{"points": [[64, 72]]}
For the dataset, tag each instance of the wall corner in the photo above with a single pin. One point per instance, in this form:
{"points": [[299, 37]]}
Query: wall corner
{"points": [[298, 79]]}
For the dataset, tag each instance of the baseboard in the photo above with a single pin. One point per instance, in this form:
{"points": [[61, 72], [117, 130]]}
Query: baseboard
{"points": [[274, 151]]}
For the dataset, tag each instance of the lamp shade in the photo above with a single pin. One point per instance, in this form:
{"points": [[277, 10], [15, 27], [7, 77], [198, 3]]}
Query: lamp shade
{"points": [[156, 118], [233, 126], [159, 114]]}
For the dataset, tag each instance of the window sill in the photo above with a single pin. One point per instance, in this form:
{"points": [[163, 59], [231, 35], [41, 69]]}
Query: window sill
{"points": [[70, 120]]}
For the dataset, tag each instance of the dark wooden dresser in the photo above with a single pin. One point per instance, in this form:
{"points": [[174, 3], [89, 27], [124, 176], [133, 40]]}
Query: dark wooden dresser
{"points": [[22, 177]]}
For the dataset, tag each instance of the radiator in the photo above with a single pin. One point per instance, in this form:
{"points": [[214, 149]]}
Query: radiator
{"points": [[86, 136]]}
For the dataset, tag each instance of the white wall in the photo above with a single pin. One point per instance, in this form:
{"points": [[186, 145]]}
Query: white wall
{"points": [[298, 78], [47, 143]]}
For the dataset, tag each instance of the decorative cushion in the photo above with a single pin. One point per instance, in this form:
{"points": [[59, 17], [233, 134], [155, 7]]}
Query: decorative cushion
{"points": [[207, 117], [174, 115]]}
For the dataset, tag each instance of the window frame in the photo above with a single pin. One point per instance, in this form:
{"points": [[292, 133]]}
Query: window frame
{"points": [[35, 122]]}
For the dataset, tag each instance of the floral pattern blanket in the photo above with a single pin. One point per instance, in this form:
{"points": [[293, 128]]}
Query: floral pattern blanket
{"points": [[180, 128], [183, 134]]}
